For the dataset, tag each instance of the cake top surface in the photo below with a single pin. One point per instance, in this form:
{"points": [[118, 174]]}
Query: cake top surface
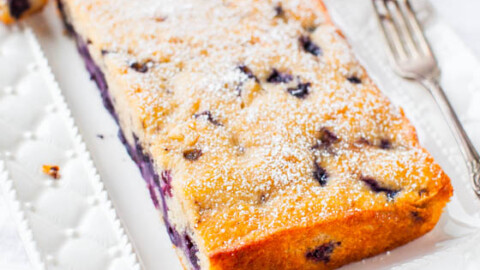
{"points": [[259, 111]]}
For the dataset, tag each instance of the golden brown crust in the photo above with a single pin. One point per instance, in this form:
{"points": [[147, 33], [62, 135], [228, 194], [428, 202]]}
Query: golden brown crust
{"points": [[362, 235]]}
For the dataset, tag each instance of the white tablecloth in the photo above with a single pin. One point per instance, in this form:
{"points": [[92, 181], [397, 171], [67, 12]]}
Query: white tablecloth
{"points": [[462, 15], [12, 253]]}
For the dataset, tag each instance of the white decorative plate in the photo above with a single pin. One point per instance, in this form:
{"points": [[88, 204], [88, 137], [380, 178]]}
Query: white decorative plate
{"points": [[452, 244]]}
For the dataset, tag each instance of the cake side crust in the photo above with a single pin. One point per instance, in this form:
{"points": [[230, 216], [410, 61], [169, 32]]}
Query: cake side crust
{"points": [[364, 234]]}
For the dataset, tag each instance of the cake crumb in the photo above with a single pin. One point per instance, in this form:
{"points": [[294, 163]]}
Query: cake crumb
{"points": [[51, 170]]}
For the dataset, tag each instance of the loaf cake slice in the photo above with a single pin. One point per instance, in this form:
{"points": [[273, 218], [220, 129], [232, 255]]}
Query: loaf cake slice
{"points": [[12, 10], [262, 140]]}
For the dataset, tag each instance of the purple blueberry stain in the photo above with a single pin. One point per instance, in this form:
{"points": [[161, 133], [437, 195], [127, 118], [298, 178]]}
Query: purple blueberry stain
{"points": [[263, 198], [172, 233], [191, 251], [192, 154], [416, 216], [247, 71], [320, 174], [327, 137], [376, 187], [422, 192], [96, 74], [322, 253], [325, 140], [166, 184], [18, 7], [153, 195], [385, 144], [309, 46], [182, 241], [208, 115], [354, 80], [68, 26], [139, 67], [363, 141], [279, 12], [279, 77], [311, 29], [301, 91]]}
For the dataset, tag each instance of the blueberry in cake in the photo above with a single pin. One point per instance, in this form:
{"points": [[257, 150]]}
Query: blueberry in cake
{"points": [[262, 140], [12, 10]]}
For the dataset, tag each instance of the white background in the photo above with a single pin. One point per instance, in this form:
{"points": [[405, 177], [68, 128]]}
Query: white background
{"points": [[462, 15]]}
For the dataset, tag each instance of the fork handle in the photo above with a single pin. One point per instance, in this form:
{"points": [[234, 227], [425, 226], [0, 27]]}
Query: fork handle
{"points": [[469, 152]]}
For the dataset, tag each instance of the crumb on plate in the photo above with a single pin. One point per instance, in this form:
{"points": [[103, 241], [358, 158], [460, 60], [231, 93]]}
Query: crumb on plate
{"points": [[51, 170]]}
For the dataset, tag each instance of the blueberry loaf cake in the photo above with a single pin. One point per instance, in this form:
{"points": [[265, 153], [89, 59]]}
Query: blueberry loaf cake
{"points": [[263, 142], [12, 10]]}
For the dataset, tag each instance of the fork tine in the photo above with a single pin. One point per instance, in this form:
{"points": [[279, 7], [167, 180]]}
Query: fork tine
{"points": [[415, 28], [389, 30], [400, 22]]}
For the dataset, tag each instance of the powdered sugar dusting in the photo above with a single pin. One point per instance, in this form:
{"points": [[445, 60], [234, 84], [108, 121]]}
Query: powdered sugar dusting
{"points": [[255, 174]]}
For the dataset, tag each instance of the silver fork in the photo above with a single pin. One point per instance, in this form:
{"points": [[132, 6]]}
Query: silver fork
{"points": [[413, 59]]}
